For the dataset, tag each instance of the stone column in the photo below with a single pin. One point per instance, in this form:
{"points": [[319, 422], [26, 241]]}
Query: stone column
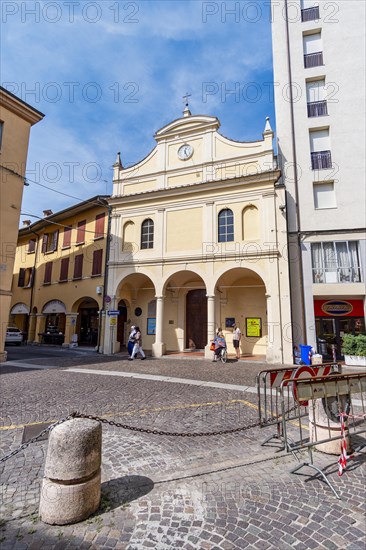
{"points": [[158, 348], [111, 345], [210, 325], [71, 486], [70, 330], [32, 327], [40, 327], [324, 424]]}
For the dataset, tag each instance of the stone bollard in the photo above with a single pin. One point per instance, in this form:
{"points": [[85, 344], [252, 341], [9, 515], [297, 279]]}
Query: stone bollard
{"points": [[323, 427], [72, 478]]}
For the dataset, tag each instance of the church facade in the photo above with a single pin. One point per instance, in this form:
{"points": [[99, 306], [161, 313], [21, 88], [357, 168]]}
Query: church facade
{"points": [[198, 242]]}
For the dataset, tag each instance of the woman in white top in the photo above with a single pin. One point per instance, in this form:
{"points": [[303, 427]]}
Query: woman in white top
{"points": [[236, 340], [137, 348]]}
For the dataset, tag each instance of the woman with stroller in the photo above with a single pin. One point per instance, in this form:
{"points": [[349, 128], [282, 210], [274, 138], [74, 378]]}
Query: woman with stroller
{"points": [[220, 344]]}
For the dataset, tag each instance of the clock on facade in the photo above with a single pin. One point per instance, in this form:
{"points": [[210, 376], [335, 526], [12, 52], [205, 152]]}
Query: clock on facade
{"points": [[185, 151]]}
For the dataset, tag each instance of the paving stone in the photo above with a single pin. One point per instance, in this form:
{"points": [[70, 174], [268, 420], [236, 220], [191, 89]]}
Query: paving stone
{"points": [[213, 500]]}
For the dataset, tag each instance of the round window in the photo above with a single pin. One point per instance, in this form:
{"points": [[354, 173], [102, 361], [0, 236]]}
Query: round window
{"points": [[138, 311]]}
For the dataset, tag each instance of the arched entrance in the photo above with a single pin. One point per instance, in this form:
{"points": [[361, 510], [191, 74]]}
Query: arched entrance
{"points": [[19, 316], [122, 323], [196, 318], [54, 313], [88, 322], [242, 301]]}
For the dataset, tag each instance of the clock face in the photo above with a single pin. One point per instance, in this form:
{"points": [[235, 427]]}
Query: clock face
{"points": [[185, 151]]}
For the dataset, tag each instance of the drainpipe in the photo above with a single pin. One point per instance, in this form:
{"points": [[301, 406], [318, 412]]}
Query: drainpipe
{"points": [[34, 273], [296, 188], [106, 269]]}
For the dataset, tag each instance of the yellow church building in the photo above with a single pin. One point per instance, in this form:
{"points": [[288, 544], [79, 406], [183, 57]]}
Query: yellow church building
{"points": [[198, 242]]}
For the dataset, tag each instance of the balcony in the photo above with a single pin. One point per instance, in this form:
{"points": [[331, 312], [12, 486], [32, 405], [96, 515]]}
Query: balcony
{"points": [[321, 160], [313, 60], [317, 108], [310, 14], [337, 275]]}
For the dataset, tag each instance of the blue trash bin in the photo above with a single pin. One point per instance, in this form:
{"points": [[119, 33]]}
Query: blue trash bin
{"points": [[305, 354]]}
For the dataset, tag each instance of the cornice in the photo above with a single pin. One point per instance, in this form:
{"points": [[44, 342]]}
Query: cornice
{"points": [[198, 258], [19, 107], [268, 177]]}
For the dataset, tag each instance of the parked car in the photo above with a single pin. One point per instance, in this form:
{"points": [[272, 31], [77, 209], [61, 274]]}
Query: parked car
{"points": [[13, 336]]}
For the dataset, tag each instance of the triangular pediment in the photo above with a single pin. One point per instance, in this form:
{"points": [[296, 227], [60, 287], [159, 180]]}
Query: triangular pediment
{"points": [[188, 126]]}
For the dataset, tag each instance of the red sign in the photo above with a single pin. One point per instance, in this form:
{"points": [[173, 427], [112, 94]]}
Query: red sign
{"points": [[338, 308]]}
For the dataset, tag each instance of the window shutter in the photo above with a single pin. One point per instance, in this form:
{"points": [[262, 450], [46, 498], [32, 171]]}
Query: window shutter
{"points": [[55, 240], [99, 226], [64, 270], [67, 237], [78, 266], [32, 245], [48, 273], [97, 262], [44, 243], [21, 278], [81, 232]]}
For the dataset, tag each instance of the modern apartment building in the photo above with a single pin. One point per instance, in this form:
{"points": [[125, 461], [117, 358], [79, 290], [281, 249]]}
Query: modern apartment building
{"points": [[16, 120], [58, 282], [319, 76], [198, 238]]}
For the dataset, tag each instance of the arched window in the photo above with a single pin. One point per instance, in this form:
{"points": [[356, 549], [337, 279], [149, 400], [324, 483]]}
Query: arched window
{"points": [[226, 226], [128, 236], [147, 234]]}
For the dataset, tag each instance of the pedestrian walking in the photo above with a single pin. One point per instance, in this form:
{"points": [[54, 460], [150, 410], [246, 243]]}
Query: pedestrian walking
{"points": [[236, 340], [137, 348], [131, 340]]}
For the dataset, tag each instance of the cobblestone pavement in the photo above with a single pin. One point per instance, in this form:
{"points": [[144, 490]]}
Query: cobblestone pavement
{"points": [[221, 492]]}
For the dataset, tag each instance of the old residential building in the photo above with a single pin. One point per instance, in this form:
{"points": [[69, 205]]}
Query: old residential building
{"points": [[58, 282], [199, 242], [319, 74], [16, 120]]}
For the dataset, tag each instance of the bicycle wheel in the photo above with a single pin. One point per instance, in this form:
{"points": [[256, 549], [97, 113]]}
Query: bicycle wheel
{"points": [[224, 355]]}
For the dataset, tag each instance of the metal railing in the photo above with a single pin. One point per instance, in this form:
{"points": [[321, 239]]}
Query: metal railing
{"points": [[317, 108], [269, 383], [310, 14], [320, 160], [313, 60], [337, 275], [337, 407]]}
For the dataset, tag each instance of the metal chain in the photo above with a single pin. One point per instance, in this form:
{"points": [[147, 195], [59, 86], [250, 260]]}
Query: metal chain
{"points": [[35, 438], [77, 414], [161, 432]]}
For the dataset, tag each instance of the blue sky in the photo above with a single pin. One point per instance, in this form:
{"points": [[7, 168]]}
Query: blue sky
{"points": [[109, 74]]}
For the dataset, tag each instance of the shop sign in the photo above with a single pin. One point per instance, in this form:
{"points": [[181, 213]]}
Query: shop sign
{"points": [[338, 308], [334, 307]]}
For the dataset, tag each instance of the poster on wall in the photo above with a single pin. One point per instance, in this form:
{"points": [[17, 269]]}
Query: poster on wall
{"points": [[253, 326], [229, 322], [151, 325]]}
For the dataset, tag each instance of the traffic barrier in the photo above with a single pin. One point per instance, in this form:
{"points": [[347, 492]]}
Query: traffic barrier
{"points": [[344, 418], [268, 384]]}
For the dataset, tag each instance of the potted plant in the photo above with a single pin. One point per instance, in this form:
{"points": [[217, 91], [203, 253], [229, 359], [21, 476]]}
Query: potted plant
{"points": [[354, 350]]}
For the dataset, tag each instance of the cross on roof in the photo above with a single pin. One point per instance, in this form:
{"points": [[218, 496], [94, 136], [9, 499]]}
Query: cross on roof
{"points": [[185, 99]]}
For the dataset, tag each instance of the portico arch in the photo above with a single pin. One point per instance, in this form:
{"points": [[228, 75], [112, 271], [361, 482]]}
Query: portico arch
{"points": [[185, 311], [242, 297], [132, 296]]}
